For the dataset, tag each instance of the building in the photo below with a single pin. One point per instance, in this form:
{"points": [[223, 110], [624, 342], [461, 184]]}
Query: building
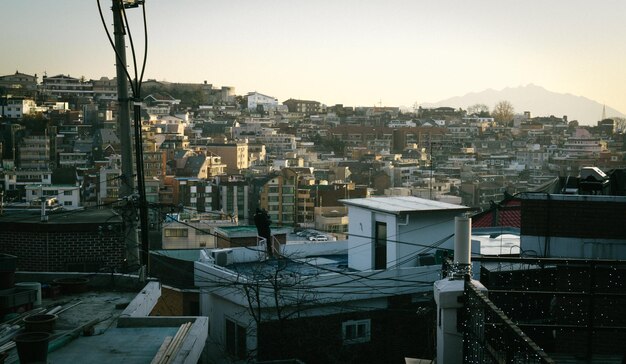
{"points": [[19, 83], [109, 180], [18, 107], [246, 236], [234, 155], [134, 322], [563, 289], [382, 229], [278, 197], [34, 152], [64, 87], [105, 89], [190, 230], [256, 100], [234, 195], [307, 107], [17, 180], [356, 296], [67, 196], [582, 144], [277, 144], [73, 159], [194, 193], [70, 241], [202, 166], [574, 226]]}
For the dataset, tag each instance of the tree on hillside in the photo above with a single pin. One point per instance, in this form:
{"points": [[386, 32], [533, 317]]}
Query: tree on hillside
{"points": [[503, 112], [480, 110]]}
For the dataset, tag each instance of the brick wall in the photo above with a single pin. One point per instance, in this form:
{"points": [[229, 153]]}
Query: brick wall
{"points": [[59, 251]]}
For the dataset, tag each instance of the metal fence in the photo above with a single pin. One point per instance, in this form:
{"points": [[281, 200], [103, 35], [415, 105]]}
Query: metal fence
{"points": [[572, 308], [491, 337]]}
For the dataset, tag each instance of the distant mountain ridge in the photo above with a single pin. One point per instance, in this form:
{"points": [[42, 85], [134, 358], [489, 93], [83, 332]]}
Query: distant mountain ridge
{"points": [[537, 100]]}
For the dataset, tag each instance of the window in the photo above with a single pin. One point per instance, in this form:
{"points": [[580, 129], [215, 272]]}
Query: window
{"points": [[67, 203], [235, 339], [176, 233], [67, 192], [354, 332]]}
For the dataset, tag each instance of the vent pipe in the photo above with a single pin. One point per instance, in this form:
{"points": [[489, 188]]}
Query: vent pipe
{"points": [[462, 247]]}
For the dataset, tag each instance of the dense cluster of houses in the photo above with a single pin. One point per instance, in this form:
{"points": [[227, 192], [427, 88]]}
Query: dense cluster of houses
{"points": [[386, 184]]}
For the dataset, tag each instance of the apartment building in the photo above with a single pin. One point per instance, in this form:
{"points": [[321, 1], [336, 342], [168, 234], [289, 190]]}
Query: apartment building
{"points": [[62, 86]]}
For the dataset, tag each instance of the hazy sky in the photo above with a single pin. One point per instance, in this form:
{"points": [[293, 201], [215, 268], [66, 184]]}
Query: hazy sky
{"points": [[339, 51]]}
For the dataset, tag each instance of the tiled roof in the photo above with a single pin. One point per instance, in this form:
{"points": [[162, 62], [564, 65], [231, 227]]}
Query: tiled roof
{"points": [[507, 213]]}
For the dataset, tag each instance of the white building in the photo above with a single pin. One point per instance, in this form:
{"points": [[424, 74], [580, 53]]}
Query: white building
{"points": [[384, 231], [16, 108], [67, 196], [582, 144], [256, 99], [16, 179]]}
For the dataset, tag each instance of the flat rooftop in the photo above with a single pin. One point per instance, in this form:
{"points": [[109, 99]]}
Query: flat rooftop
{"points": [[309, 266], [402, 204], [77, 216], [108, 325]]}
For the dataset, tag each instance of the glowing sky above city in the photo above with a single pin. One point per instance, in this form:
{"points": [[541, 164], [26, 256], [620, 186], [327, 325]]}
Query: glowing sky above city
{"points": [[339, 51]]}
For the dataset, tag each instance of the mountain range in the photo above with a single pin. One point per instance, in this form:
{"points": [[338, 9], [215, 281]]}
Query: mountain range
{"points": [[537, 100]]}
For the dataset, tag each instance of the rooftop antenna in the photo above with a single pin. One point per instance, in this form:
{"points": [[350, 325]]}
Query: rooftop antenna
{"points": [[603, 112]]}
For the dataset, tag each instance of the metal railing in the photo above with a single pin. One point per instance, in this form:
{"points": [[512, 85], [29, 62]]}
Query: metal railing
{"points": [[491, 337], [570, 307]]}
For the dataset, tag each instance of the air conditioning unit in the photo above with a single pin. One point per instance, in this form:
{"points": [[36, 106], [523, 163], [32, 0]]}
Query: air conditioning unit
{"points": [[223, 257]]}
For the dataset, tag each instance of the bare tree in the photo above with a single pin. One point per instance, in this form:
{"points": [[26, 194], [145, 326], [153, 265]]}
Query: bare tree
{"points": [[481, 110], [276, 294], [503, 112]]}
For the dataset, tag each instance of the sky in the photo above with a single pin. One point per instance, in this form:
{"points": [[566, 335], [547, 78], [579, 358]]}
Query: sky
{"points": [[354, 52]]}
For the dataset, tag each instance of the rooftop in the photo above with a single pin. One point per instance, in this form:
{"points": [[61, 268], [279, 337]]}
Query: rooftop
{"points": [[402, 204], [108, 321], [247, 230], [309, 266], [62, 217]]}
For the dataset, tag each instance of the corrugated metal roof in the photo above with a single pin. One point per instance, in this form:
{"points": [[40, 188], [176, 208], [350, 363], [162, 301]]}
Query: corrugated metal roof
{"points": [[400, 204]]}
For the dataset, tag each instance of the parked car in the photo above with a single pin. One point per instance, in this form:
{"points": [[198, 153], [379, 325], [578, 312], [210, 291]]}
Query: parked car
{"points": [[318, 238]]}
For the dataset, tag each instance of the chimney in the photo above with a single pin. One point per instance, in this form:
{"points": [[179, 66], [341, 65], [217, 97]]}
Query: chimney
{"points": [[448, 294]]}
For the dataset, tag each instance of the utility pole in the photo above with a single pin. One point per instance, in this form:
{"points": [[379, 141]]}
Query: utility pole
{"points": [[128, 182]]}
